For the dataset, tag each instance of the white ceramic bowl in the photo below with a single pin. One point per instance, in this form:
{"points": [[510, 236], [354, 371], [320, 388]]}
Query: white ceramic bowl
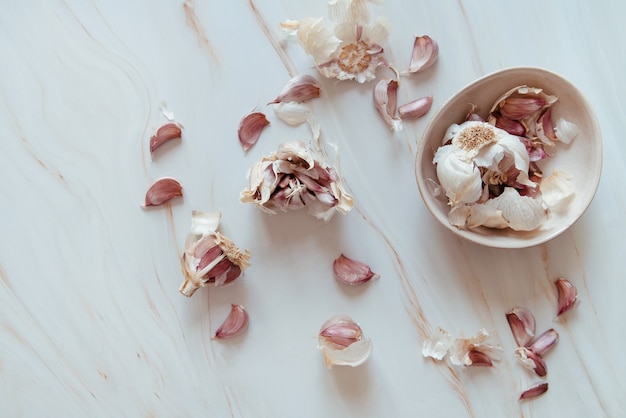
{"points": [[582, 158]]}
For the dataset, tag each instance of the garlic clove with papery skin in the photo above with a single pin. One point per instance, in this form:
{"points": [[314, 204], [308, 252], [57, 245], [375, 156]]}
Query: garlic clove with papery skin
{"points": [[342, 342], [568, 295], [165, 133], [300, 88], [543, 343], [532, 361], [163, 190], [523, 325], [424, 54], [250, 129], [534, 391], [352, 272], [385, 100], [416, 108], [235, 323]]}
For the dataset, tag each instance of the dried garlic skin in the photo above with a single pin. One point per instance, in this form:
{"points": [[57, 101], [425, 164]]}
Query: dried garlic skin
{"points": [[349, 47], [294, 177], [342, 342], [473, 351], [209, 256]]}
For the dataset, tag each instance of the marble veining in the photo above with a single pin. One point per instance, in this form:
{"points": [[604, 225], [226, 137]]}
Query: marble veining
{"points": [[91, 320]]}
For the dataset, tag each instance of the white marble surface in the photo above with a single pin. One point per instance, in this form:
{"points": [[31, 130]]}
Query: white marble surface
{"points": [[91, 321]]}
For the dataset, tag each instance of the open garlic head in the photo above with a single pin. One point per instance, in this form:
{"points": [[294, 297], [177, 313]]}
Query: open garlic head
{"points": [[342, 342], [294, 177], [209, 256], [489, 172], [349, 47]]}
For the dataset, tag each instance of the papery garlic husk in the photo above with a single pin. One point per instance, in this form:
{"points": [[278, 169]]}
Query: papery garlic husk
{"points": [[558, 187], [534, 391], [509, 210], [300, 88], [568, 295], [165, 133], [438, 345], [532, 361], [523, 325], [385, 100], [463, 350], [293, 113], [163, 190], [424, 55], [297, 176], [415, 109], [235, 323], [342, 342], [351, 271], [565, 131], [209, 256], [250, 129], [543, 343]]}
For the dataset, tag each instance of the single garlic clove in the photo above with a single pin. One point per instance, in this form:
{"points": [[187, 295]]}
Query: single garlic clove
{"points": [[342, 342], [532, 361], [534, 391], [299, 89], [568, 295], [473, 115], [511, 126], [385, 100], [164, 134], [478, 358], [522, 323], [516, 108], [250, 129], [424, 55], [415, 109], [163, 190], [235, 323], [545, 128], [544, 342], [352, 272]]}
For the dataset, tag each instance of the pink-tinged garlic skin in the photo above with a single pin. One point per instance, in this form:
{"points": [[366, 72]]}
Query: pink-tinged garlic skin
{"points": [[479, 358], [385, 96], [523, 325], [534, 391], [568, 295], [163, 190], [250, 129], [415, 109], [424, 55], [164, 134], [532, 361], [352, 272], [300, 88], [209, 256], [297, 176], [235, 323], [342, 342], [545, 342]]}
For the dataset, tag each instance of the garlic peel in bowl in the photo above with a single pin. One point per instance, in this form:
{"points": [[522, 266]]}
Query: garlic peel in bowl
{"points": [[342, 342]]}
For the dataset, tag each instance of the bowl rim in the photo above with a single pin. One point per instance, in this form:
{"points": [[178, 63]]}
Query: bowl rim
{"points": [[485, 239]]}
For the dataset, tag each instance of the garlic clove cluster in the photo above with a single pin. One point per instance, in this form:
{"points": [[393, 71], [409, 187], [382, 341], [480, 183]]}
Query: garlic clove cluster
{"points": [[342, 342], [296, 176], [209, 256]]}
